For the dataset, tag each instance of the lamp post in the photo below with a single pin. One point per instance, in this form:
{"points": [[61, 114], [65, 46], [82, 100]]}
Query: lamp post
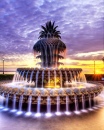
{"points": [[94, 67], [103, 67], [103, 62], [3, 66]]}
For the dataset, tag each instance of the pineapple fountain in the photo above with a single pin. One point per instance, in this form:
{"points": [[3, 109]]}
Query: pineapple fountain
{"points": [[48, 85]]}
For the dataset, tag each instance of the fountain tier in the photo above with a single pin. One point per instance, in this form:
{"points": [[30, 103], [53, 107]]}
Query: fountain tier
{"points": [[49, 78], [49, 84], [16, 91]]}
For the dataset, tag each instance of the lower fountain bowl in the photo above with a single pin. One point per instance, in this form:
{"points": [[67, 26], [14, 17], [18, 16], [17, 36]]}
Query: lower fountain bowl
{"points": [[78, 89]]}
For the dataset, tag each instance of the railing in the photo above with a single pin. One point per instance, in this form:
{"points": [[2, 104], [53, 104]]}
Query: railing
{"points": [[7, 72]]}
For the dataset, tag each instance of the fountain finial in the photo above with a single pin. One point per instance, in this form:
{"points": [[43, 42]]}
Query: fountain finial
{"points": [[50, 46]]}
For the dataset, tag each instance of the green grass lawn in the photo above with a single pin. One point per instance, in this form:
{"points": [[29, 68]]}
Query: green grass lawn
{"points": [[6, 77]]}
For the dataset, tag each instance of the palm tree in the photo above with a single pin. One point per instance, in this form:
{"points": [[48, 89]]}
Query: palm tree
{"points": [[49, 31]]}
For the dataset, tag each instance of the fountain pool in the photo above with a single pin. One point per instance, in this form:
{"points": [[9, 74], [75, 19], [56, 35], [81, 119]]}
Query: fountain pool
{"points": [[49, 85]]}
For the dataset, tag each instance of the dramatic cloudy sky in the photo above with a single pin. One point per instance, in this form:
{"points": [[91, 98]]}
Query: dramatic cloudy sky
{"points": [[81, 23]]}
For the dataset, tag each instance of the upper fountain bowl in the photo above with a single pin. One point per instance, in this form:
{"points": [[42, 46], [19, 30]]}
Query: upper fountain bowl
{"points": [[49, 78]]}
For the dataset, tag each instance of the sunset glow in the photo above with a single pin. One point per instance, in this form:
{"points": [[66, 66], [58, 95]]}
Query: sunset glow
{"points": [[80, 24]]}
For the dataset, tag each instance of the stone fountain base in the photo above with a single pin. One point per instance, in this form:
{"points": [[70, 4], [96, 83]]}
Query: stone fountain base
{"points": [[79, 93], [78, 90]]}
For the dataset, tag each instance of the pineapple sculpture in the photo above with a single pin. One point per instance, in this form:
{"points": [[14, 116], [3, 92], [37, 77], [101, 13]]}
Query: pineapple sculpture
{"points": [[49, 46]]}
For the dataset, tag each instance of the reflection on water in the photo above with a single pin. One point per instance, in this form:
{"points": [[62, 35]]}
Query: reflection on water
{"points": [[93, 120]]}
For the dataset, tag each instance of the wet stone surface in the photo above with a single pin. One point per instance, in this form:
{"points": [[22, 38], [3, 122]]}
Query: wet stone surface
{"points": [[93, 120]]}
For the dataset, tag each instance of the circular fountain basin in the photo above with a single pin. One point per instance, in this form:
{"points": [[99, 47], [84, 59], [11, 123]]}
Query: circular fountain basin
{"points": [[75, 89]]}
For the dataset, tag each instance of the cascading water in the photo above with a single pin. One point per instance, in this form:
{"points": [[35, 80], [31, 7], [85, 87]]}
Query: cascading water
{"points": [[95, 102], [45, 50], [90, 102], [48, 104], [83, 102], [6, 102], [14, 102], [83, 78], [67, 104], [77, 76], [51, 84], [27, 75], [1, 100], [18, 76], [29, 105], [15, 76], [31, 76], [22, 77], [55, 77], [58, 106], [37, 78], [76, 105], [42, 78], [50, 53], [74, 75], [49, 76], [38, 104], [71, 77], [61, 78], [66, 77], [20, 105]]}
